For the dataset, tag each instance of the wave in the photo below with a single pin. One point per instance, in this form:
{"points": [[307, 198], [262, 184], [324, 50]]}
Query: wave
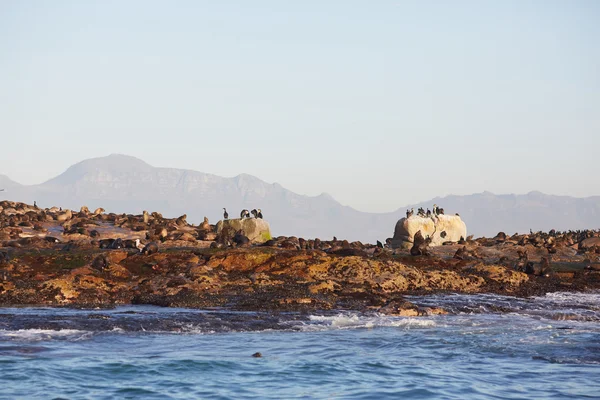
{"points": [[558, 306], [357, 321], [32, 335]]}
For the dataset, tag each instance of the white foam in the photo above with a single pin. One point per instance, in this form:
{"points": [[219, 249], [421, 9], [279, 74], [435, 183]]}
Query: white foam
{"points": [[592, 298], [356, 321], [35, 335]]}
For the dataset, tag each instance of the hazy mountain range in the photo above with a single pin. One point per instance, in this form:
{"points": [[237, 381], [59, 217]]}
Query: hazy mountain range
{"points": [[120, 183]]}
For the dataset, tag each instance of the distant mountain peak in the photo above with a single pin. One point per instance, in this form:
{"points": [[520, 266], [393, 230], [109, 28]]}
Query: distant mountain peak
{"points": [[535, 193], [326, 196], [113, 164], [122, 159], [5, 181]]}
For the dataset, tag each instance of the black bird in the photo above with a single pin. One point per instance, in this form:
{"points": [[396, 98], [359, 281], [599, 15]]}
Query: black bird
{"points": [[379, 244], [259, 215], [34, 204], [244, 214], [254, 213], [428, 213], [225, 215]]}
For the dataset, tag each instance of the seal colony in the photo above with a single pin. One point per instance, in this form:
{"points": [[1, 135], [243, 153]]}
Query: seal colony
{"points": [[55, 256]]}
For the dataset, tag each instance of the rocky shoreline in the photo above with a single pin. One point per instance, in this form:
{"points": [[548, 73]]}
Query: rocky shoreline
{"points": [[55, 257]]}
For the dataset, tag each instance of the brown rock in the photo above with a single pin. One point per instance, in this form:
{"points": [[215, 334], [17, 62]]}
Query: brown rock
{"points": [[118, 271], [502, 274], [116, 256], [326, 286]]}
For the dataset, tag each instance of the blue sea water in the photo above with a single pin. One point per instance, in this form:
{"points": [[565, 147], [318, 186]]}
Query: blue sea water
{"points": [[489, 347]]}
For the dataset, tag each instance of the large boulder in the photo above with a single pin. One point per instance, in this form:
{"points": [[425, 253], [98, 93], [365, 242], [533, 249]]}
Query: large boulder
{"points": [[256, 229], [441, 228]]}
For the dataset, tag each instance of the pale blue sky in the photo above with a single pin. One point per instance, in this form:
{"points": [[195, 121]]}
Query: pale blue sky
{"points": [[379, 103]]}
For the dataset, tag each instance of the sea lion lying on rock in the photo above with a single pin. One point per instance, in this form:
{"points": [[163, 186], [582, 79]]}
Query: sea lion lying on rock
{"points": [[240, 239], [100, 262], [4, 257], [150, 248], [541, 269]]}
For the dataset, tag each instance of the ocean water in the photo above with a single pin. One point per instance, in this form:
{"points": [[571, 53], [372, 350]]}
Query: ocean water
{"points": [[489, 347]]}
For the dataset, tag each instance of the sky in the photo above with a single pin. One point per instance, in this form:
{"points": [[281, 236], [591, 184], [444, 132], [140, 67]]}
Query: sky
{"points": [[380, 104]]}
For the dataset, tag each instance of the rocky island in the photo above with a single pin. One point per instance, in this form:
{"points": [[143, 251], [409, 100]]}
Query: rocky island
{"points": [[86, 258]]}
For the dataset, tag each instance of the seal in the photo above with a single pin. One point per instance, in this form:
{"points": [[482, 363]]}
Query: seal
{"points": [[240, 239], [99, 211], [100, 262], [150, 248], [460, 253], [105, 243], [181, 221], [117, 244], [205, 225], [132, 244]]}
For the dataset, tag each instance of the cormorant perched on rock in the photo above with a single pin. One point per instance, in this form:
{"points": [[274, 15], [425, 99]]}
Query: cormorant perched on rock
{"points": [[244, 214], [435, 209], [379, 244], [34, 204], [259, 215], [440, 211], [421, 212], [410, 213], [254, 213], [428, 213], [225, 215]]}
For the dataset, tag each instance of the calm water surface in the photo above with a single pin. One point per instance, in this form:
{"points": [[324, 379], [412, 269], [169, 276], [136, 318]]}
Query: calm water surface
{"points": [[493, 347]]}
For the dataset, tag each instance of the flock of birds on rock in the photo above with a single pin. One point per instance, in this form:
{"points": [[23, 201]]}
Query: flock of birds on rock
{"points": [[425, 214], [256, 213]]}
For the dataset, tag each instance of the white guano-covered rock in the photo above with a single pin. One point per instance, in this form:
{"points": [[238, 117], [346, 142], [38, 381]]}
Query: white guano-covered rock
{"points": [[256, 229], [441, 228]]}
